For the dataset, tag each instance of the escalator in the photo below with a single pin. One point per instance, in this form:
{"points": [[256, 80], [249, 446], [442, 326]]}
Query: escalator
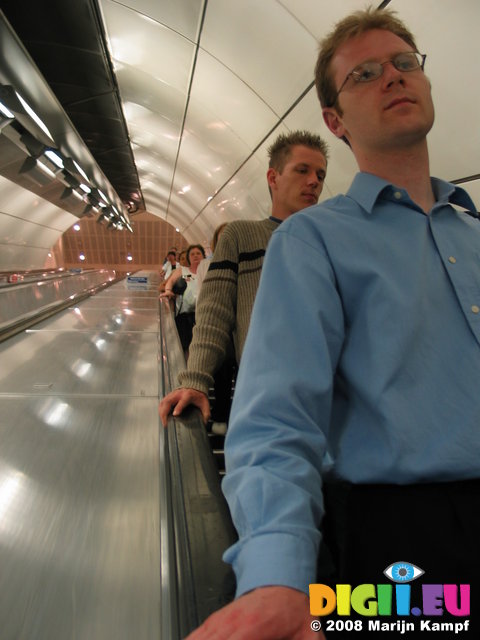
{"points": [[110, 525]]}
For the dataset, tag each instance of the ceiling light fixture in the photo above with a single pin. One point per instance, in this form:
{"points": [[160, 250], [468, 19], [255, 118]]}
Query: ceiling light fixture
{"points": [[37, 172], [68, 180], [103, 196], [89, 211], [74, 168], [69, 192], [55, 157], [6, 112], [19, 108], [6, 117]]}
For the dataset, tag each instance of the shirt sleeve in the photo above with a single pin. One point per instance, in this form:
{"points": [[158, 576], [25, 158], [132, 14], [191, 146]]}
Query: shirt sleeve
{"points": [[280, 416], [214, 316]]}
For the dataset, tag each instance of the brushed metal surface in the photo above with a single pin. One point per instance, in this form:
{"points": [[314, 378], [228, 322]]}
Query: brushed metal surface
{"points": [[80, 475], [97, 362], [27, 299], [114, 320], [105, 302], [79, 518]]}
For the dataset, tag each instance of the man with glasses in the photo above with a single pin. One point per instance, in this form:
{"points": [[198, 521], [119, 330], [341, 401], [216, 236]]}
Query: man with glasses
{"points": [[387, 376]]}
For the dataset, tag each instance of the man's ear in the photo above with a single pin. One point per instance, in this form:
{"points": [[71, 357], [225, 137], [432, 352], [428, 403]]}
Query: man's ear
{"points": [[333, 121], [271, 177]]}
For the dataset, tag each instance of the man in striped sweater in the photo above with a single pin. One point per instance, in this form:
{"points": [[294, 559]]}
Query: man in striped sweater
{"points": [[296, 174]]}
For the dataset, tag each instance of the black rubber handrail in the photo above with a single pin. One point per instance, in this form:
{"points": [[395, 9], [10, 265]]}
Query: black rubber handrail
{"points": [[200, 527]]}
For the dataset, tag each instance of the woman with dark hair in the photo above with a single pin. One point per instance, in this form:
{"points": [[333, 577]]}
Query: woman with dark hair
{"points": [[185, 313]]}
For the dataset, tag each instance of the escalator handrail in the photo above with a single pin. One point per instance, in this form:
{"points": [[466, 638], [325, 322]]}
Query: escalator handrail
{"points": [[39, 313], [198, 526]]}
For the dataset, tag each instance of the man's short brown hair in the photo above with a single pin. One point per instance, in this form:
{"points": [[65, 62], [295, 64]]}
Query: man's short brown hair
{"points": [[280, 150], [350, 27]]}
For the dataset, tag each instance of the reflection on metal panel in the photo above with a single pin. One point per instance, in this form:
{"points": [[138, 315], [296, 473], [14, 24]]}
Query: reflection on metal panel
{"points": [[79, 521], [28, 299], [98, 362], [115, 320], [79, 480], [98, 302]]}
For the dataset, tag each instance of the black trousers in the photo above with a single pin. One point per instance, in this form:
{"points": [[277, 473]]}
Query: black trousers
{"points": [[435, 527], [185, 323], [223, 381]]}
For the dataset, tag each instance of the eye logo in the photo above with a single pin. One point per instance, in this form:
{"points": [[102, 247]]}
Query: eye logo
{"points": [[403, 572]]}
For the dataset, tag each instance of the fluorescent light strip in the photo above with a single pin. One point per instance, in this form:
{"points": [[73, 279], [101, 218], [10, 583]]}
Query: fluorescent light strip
{"points": [[34, 116], [55, 158], [81, 171], [6, 111]]}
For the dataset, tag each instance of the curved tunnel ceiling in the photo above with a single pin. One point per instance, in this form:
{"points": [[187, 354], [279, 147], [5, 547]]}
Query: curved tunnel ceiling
{"points": [[178, 100]]}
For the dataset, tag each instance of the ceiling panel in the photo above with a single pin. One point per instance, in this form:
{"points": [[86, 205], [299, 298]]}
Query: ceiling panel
{"points": [[182, 16], [208, 162], [23, 204], [141, 42], [204, 232], [145, 97], [226, 98], [180, 219], [27, 233], [23, 258], [319, 17], [246, 192], [252, 44], [153, 63]]}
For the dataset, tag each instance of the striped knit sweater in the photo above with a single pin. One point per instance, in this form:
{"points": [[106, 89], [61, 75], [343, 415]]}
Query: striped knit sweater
{"points": [[226, 299]]}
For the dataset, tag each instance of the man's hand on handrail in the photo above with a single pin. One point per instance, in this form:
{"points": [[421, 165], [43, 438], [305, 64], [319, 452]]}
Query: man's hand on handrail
{"points": [[267, 613], [179, 399]]}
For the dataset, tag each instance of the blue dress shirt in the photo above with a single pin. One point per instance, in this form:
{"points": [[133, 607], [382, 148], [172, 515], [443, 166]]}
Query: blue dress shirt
{"points": [[367, 351]]}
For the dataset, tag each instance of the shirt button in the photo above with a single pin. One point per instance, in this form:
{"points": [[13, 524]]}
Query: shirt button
{"points": [[452, 259], [475, 309], [397, 195]]}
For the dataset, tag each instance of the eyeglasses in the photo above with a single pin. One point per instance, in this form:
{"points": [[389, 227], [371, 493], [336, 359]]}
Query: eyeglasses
{"points": [[370, 71]]}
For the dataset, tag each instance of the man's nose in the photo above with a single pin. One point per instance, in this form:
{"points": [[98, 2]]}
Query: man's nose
{"points": [[391, 74]]}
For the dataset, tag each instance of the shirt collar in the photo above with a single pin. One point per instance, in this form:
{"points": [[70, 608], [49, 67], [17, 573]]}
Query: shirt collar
{"points": [[367, 188], [448, 192]]}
